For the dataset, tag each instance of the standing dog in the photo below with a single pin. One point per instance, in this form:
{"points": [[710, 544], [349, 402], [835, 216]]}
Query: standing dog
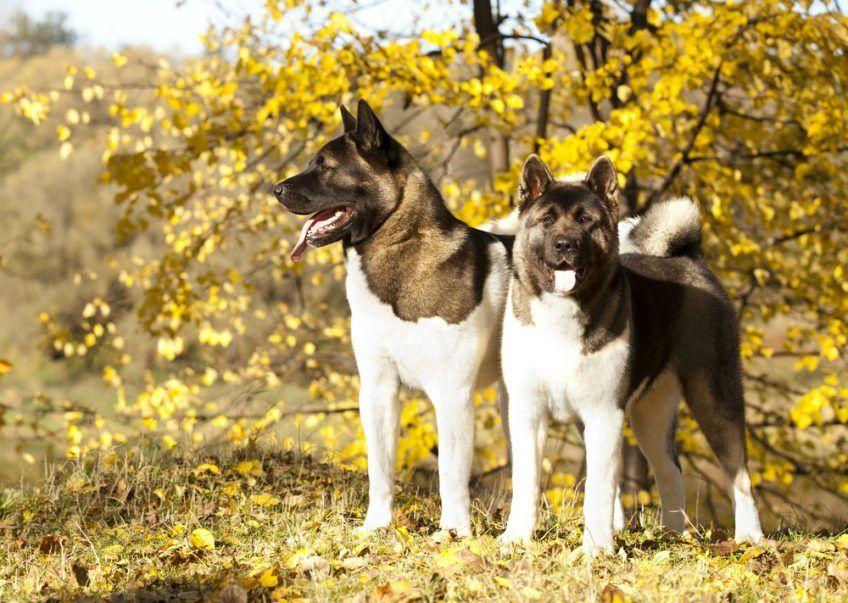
{"points": [[426, 295], [592, 334]]}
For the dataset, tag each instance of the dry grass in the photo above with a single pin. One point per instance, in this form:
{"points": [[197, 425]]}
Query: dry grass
{"points": [[126, 529]]}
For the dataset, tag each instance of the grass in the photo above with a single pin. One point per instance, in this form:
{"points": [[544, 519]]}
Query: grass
{"points": [[279, 527]]}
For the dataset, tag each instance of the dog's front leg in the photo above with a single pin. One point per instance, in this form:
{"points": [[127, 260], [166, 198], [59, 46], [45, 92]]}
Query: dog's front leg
{"points": [[455, 425], [602, 434], [379, 410], [528, 427]]}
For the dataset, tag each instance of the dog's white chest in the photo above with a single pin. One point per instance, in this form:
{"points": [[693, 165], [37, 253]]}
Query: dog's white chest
{"points": [[430, 351], [547, 358]]}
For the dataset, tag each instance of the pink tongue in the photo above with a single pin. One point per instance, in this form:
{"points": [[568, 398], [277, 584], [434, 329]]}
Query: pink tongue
{"points": [[301, 244], [564, 280]]}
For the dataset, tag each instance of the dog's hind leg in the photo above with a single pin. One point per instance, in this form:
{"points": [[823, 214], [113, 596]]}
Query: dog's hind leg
{"points": [[379, 409], [717, 404], [503, 408], [618, 518], [455, 425], [652, 418]]}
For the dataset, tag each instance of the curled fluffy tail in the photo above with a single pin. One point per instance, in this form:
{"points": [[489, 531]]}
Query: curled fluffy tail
{"points": [[508, 225], [670, 228]]}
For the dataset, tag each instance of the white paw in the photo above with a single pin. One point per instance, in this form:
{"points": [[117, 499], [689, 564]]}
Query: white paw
{"points": [[373, 523], [513, 536], [754, 536], [594, 547]]}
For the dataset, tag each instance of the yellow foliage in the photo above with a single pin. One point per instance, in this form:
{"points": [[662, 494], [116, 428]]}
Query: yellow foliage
{"points": [[740, 106], [201, 538]]}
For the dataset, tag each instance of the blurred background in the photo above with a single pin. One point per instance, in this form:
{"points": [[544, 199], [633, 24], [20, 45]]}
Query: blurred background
{"points": [[146, 293]]}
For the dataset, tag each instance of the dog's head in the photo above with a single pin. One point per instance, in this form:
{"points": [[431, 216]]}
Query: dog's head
{"points": [[567, 233], [349, 187]]}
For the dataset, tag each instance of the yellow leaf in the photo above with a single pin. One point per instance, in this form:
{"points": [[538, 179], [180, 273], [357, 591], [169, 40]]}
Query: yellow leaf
{"points": [[268, 578], [231, 488], [5, 367], [65, 150], [247, 468], [43, 223], [505, 582], [206, 468], [265, 499], [119, 60], [448, 558], [201, 538]]}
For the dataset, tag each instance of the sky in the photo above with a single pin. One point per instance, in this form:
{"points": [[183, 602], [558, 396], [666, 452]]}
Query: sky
{"points": [[174, 26], [165, 25]]}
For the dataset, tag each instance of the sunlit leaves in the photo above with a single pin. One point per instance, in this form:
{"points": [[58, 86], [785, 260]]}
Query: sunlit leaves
{"points": [[227, 322]]}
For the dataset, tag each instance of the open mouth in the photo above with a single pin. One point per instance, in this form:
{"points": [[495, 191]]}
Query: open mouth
{"points": [[563, 278], [324, 227]]}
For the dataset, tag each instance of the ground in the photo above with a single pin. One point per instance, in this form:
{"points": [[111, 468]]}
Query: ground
{"points": [[278, 527]]}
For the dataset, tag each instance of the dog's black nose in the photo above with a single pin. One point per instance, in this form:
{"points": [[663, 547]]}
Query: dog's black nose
{"points": [[564, 244], [278, 190]]}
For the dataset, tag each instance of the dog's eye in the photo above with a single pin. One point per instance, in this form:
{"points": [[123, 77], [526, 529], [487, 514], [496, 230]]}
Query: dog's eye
{"points": [[547, 220], [584, 219]]}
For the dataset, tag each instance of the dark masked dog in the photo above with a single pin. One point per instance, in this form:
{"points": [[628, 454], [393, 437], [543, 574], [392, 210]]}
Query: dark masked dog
{"points": [[592, 333], [426, 294]]}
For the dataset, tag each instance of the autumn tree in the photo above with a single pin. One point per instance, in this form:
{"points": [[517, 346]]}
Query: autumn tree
{"points": [[739, 105]]}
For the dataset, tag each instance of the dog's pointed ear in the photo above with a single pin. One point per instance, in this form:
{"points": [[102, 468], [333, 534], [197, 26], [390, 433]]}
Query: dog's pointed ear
{"points": [[370, 133], [348, 119], [601, 178], [535, 180]]}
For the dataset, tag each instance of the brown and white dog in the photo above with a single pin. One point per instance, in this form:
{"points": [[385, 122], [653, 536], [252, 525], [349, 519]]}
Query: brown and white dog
{"points": [[591, 333], [426, 295]]}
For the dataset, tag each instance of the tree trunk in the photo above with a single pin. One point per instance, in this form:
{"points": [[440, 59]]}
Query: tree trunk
{"points": [[486, 24]]}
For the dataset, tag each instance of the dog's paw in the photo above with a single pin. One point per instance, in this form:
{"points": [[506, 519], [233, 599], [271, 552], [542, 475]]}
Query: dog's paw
{"points": [[596, 547], [752, 536], [511, 536], [372, 524]]}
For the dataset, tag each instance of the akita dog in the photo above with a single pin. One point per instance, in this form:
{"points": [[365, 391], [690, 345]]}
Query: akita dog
{"points": [[426, 294], [590, 333]]}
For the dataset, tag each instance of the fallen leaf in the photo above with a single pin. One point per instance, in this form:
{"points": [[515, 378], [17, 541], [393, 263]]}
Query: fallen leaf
{"points": [[43, 223], [5, 367], [448, 559], [471, 561], [613, 594], [726, 547], [206, 468], [268, 578], [248, 468], [201, 538], [50, 544], [265, 499], [505, 582], [398, 591], [838, 570], [352, 563]]}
